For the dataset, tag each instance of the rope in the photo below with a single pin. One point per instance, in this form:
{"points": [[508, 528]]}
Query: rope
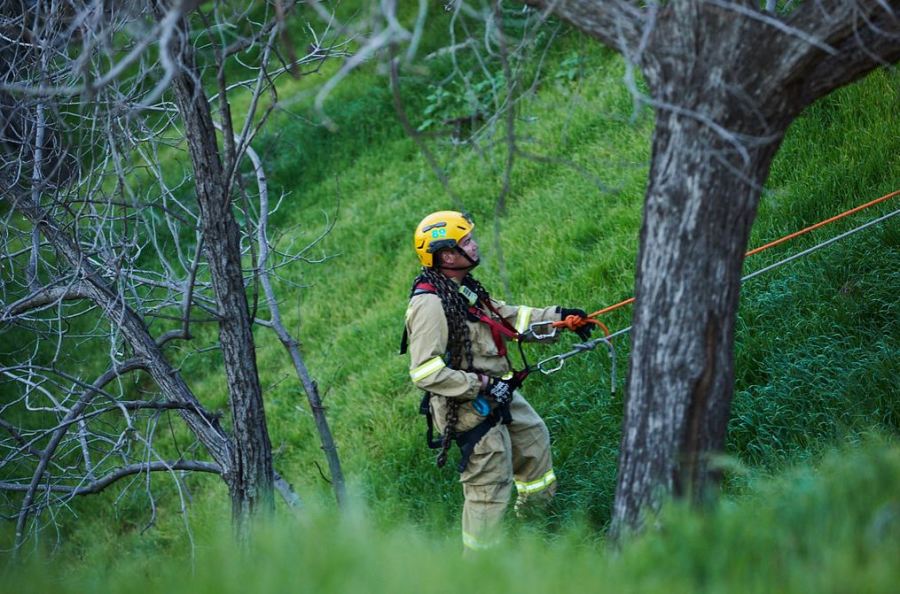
{"points": [[796, 256], [822, 223], [591, 344], [819, 246], [575, 322]]}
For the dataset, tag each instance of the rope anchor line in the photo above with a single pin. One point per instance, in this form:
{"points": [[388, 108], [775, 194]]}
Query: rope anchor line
{"points": [[554, 363]]}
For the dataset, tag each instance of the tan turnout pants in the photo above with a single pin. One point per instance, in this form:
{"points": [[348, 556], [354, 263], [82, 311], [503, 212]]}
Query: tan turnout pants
{"points": [[516, 453]]}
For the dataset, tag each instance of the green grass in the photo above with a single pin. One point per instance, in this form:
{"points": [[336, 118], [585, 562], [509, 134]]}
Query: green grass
{"points": [[835, 528], [816, 359]]}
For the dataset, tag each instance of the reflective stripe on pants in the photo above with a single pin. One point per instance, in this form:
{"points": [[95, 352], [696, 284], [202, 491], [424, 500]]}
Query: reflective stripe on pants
{"points": [[535, 486]]}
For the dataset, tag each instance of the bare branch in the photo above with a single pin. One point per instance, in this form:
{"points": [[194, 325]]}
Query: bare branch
{"points": [[288, 341], [44, 297], [17, 436], [865, 34], [287, 493], [617, 23], [100, 484]]}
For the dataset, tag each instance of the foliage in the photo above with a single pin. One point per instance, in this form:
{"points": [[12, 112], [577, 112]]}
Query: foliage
{"points": [[456, 101], [831, 529], [571, 68]]}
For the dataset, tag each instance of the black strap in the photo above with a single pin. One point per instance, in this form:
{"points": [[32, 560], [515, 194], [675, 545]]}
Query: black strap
{"points": [[404, 341], [425, 409], [466, 440], [418, 289]]}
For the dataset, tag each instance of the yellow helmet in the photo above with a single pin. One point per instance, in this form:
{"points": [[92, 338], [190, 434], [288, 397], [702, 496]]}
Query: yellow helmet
{"points": [[440, 230]]}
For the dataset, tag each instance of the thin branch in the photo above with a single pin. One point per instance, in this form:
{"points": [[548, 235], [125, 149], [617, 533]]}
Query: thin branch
{"points": [[120, 473], [44, 297], [400, 110], [288, 341], [286, 490], [17, 436]]}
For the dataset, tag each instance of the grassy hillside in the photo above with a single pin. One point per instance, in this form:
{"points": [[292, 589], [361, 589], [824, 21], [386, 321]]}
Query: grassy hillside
{"points": [[818, 340], [816, 355]]}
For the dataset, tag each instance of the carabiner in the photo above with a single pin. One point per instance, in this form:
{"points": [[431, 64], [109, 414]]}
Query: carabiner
{"points": [[540, 365], [539, 335]]}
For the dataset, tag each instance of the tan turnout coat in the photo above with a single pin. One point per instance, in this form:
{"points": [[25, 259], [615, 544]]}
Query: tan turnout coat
{"points": [[426, 325]]}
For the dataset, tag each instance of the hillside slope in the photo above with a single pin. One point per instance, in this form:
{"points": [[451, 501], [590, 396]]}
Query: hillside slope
{"points": [[818, 339]]}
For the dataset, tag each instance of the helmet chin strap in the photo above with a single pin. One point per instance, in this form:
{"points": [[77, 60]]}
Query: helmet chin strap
{"points": [[472, 263]]}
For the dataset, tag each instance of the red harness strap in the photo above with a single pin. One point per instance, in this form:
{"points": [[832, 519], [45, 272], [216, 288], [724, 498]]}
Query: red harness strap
{"points": [[499, 329]]}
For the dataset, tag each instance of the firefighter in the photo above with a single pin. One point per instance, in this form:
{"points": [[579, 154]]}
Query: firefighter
{"points": [[456, 336]]}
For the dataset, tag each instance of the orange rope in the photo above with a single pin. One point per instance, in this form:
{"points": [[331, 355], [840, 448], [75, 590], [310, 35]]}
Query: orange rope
{"points": [[575, 322], [822, 223], [600, 312]]}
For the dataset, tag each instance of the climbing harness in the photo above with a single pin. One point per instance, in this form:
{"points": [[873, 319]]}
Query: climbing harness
{"points": [[466, 440], [500, 330], [554, 363]]}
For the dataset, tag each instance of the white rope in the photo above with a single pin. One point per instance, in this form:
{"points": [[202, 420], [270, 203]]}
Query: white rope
{"points": [[821, 245]]}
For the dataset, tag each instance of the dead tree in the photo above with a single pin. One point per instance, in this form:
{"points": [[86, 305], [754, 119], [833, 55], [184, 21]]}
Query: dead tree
{"points": [[115, 249]]}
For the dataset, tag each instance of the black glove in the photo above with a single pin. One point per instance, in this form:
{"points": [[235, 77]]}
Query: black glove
{"points": [[501, 390], [584, 332]]}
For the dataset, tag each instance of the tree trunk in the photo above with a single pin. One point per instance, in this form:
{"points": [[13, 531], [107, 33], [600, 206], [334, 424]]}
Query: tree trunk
{"points": [[726, 80], [696, 224], [711, 157], [251, 480]]}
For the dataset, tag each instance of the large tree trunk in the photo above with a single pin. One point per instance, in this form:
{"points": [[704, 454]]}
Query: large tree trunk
{"points": [[725, 85], [712, 149], [251, 479], [696, 224]]}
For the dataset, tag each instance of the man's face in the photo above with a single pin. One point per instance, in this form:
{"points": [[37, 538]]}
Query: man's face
{"points": [[469, 246], [451, 259]]}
